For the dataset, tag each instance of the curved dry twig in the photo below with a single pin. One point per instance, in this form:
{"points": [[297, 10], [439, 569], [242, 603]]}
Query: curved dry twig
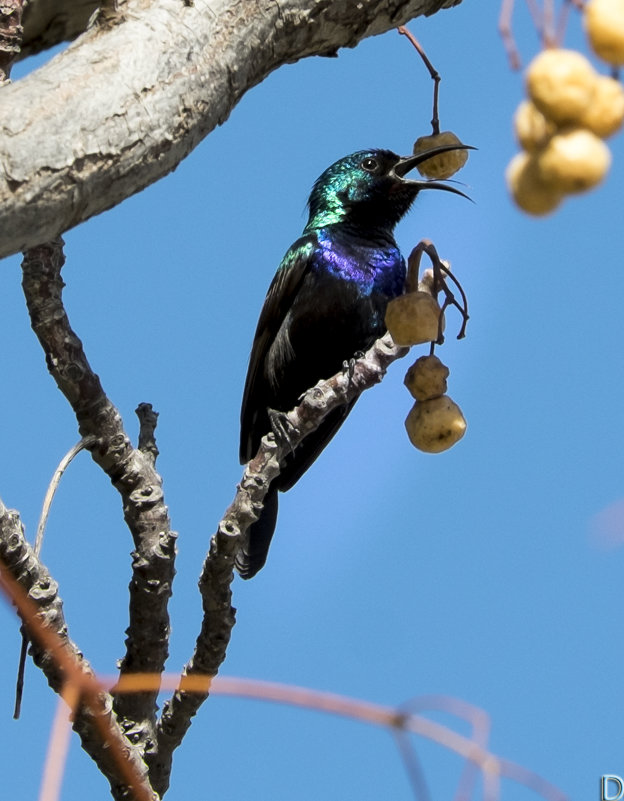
{"points": [[53, 486], [43, 519]]}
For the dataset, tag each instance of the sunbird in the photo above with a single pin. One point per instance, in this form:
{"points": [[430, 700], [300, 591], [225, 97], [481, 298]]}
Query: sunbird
{"points": [[326, 303]]}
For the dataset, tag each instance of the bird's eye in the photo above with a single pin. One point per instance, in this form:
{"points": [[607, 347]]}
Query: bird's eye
{"points": [[370, 165]]}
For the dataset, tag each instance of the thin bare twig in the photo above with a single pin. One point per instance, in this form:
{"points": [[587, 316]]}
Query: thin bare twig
{"points": [[411, 762], [435, 76], [506, 32], [479, 721], [549, 26]]}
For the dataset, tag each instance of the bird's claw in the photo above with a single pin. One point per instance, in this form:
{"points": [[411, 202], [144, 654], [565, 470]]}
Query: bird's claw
{"points": [[348, 365], [282, 428]]}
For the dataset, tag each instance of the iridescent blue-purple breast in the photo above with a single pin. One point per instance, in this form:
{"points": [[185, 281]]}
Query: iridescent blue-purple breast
{"points": [[372, 266]]}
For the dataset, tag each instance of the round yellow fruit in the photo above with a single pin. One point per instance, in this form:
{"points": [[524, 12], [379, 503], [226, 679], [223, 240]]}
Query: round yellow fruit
{"points": [[561, 84], [531, 126], [413, 319], [604, 23], [435, 425], [574, 160], [528, 188], [605, 114], [444, 164], [426, 378]]}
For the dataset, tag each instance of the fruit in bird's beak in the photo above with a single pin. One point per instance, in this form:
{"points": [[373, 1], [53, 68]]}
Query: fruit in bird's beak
{"points": [[443, 165]]}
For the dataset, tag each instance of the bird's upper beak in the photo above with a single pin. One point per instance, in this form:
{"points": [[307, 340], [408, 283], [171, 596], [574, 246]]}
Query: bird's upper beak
{"points": [[407, 163]]}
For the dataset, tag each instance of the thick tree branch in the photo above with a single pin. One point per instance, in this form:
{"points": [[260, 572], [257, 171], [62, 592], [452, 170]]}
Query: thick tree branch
{"points": [[58, 657], [127, 102], [131, 471], [218, 570]]}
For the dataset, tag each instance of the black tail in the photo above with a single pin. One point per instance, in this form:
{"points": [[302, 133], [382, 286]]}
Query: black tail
{"points": [[254, 551]]}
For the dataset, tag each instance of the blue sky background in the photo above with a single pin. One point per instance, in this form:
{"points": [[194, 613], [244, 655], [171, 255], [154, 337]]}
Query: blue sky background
{"points": [[482, 573]]}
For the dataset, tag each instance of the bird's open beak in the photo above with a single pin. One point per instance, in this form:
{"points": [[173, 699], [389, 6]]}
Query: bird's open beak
{"points": [[409, 162]]}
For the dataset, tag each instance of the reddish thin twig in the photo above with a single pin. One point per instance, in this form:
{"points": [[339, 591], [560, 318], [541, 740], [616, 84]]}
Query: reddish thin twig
{"points": [[506, 32], [549, 25], [58, 745], [367, 712]]}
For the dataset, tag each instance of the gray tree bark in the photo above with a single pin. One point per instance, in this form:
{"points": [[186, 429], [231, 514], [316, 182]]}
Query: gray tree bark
{"points": [[141, 87]]}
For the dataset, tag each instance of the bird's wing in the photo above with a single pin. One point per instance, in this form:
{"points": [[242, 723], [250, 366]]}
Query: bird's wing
{"points": [[277, 303]]}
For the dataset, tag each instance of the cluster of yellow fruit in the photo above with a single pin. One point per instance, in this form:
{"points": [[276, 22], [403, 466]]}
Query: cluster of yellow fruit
{"points": [[571, 109], [435, 422]]}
